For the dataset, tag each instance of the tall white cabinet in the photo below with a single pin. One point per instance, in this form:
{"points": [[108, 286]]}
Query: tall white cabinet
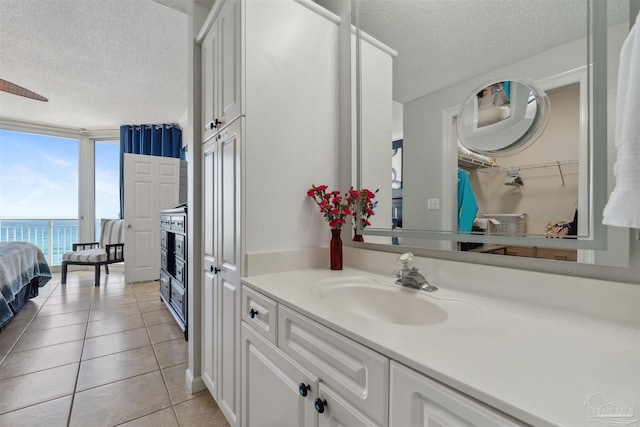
{"points": [[222, 265], [270, 129]]}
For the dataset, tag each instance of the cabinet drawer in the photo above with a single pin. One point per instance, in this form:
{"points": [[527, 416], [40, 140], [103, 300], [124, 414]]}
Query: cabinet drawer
{"points": [[181, 271], [165, 222], [259, 312], [526, 251], [177, 223], [357, 373], [178, 299], [165, 285], [417, 400], [163, 259], [163, 239], [180, 246], [559, 254]]}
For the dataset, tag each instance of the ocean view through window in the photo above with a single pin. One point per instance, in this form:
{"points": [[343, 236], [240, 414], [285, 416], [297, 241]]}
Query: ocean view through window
{"points": [[39, 191]]}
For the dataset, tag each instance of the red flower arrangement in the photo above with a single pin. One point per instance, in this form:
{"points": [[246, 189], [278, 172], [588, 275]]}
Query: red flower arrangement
{"points": [[365, 201], [336, 208], [332, 205]]}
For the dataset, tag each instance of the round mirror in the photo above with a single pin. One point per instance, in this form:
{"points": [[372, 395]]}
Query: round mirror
{"points": [[502, 116]]}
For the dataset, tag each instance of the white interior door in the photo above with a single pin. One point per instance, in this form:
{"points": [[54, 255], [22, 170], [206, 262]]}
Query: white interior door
{"points": [[151, 183]]}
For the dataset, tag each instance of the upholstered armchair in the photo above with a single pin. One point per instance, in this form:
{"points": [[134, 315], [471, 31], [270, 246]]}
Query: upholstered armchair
{"points": [[109, 250]]}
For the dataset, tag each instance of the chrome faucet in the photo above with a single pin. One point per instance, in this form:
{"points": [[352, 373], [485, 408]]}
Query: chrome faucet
{"points": [[408, 275]]}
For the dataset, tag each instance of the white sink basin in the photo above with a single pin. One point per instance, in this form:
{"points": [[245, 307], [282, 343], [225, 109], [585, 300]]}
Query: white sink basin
{"points": [[389, 303]]}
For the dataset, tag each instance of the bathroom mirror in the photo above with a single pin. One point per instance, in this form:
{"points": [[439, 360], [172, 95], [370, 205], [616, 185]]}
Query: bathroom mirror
{"points": [[418, 80], [502, 116]]}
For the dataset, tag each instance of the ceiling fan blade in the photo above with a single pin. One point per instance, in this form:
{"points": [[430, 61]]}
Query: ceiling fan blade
{"points": [[20, 91]]}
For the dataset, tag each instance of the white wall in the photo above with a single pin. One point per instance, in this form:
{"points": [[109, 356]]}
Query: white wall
{"points": [[396, 121], [291, 139]]}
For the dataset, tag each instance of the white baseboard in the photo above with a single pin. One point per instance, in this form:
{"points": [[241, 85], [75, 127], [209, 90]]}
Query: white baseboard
{"points": [[194, 384]]}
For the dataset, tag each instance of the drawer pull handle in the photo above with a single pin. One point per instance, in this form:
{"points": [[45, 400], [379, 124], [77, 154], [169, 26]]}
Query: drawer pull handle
{"points": [[253, 313], [303, 389], [320, 404]]}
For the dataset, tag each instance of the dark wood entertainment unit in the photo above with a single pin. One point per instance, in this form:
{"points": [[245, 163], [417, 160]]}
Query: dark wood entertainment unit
{"points": [[173, 263]]}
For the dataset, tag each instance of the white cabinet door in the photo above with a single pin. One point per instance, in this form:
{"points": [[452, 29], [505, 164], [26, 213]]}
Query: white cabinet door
{"points": [[229, 350], [222, 269], [417, 400], [221, 72], [209, 82], [274, 387], [209, 333], [356, 372], [228, 246], [230, 54], [209, 279], [335, 411]]}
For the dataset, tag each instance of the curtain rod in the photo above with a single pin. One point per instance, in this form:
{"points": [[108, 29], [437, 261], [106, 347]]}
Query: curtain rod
{"points": [[168, 125]]}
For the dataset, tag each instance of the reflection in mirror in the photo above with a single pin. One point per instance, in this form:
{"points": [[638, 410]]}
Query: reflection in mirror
{"points": [[502, 117], [419, 73], [533, 192]]}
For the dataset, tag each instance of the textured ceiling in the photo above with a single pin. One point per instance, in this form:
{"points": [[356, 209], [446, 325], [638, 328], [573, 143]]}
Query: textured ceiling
{"points": [[101, 63], [442, 42]]}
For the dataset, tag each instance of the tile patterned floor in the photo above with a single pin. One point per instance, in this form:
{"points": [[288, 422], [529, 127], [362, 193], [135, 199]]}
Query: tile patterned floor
{"points": [[80, 355]]}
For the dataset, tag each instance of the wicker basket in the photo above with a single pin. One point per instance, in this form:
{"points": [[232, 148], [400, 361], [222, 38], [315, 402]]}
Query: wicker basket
{"points": [[508, 224]]}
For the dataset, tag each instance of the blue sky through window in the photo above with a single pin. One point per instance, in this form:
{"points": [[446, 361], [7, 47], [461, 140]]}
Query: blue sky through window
{"points": [[107, 155], [38, 176]]}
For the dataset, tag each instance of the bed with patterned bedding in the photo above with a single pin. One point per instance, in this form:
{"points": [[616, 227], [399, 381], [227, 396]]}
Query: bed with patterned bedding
{"points": [[23, 269]]}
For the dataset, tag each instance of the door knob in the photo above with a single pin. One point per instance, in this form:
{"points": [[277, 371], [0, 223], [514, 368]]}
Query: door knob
{"points": [[253, 313], [320, 404], [129, 226], [213, 269], [303, 389]]}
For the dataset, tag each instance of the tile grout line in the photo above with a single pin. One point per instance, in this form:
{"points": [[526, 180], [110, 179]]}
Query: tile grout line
{"points": [[12, 347], [84, 340], [164, 378], [93, 301]]}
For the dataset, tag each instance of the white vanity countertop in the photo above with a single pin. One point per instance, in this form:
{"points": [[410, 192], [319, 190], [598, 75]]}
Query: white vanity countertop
{"points": [[535, 364]]}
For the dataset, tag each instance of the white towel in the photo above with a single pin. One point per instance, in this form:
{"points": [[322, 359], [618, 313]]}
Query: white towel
{"points": [[623, 208]]}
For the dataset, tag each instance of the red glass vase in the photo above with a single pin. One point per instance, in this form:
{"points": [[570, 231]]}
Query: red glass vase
{"points": [[335, 250], [357, 237]]}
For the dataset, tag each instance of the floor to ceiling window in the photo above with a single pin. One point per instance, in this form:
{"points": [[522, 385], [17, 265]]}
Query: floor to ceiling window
{"points": [[39, 191], [107, 179]]}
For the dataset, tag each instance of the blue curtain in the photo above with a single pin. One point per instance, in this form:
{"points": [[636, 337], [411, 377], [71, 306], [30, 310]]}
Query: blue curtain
{"points": [[152, 140]]}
